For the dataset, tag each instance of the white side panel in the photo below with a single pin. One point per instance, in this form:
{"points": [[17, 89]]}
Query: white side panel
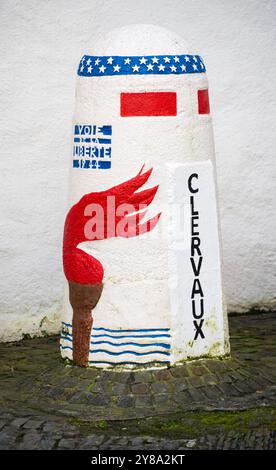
{"points": [[186, 286]]}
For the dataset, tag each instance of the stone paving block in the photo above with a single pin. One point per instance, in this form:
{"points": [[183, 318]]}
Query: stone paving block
{"points": [[212, 392], [243, 387], [268, 379], [8, 437], [120, 389], [234, 375], [178, 385], [68, 393], [140, 388], [47, 443], [227, 390], [182, 397], [124, 377], [55, 392], [163, 374], [107, 375], [143, 376], [18, 422], [210, 379], [224, 378], [245, 373], [126, 401], [143, 400], [233, 364], [198, 370], [52, 427], [69, 382], [33, 424], [99, 387], [162, 398], [75, 371], [84, 384], [89, 374], [196, 395], [160, 387], [179, 371], [195, 382], [97, 399], [31, 441], [68, 444], [92, 441], [78, 397], [6, 416]]}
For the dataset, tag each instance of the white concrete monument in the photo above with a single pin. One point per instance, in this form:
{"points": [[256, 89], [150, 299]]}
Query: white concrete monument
{"points": [[141, 238]]}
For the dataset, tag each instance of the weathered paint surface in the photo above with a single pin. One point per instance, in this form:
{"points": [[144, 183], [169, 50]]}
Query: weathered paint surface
{"points": [[160, 303]]}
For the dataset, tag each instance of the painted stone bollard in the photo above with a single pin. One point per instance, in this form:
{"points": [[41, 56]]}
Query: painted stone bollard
{"points": [[141, 249]]}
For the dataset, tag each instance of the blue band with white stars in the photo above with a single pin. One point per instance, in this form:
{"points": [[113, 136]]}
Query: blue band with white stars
{"points": [[93, 66]]}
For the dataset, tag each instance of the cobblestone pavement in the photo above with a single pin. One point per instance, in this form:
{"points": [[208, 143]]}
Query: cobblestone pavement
{"points": [[204, 404]]}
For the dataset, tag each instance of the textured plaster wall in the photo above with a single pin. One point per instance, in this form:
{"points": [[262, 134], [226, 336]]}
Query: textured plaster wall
{"points": [[41, 43]]}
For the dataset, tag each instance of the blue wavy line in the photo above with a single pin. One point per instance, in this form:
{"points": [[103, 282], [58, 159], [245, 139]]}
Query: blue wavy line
{"points": [[162, 345], [125, 331], [132, 336], [129, 362], [94, 351], [65, 347], [121, 352], [126, 336], [145, 330], [67, 339]]}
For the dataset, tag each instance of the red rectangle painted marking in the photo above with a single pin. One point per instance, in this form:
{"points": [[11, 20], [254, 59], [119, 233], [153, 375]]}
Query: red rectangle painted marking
{"points": [[148, 104], [203, 102]]}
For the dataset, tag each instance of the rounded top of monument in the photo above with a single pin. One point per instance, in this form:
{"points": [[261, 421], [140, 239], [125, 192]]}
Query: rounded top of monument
{"points": [[139, 39]]}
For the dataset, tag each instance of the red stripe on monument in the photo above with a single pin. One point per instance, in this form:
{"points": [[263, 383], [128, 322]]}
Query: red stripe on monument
{"points": [[148, 104], [203, 102]]}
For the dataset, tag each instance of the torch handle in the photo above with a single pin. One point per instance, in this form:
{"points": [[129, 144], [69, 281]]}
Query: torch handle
{"points": [[83, 299], [82, 325]]}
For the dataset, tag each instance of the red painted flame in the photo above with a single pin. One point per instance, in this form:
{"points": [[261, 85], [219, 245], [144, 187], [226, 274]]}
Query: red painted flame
{"points": [[85, 269]]}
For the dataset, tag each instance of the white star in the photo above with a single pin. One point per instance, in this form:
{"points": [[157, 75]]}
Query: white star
{"points": [[167, 59], [173, 68], [194, 67], [136, 68], [89, 69], [155, 60], [82, 68], [102, 68], [116, 68], [176, 59], [187, 58], [161, 67], [201, 65], [143, 60], [127, 61], [97, 61], [88, 62], [183, 68], [150, 67], [110, 60], [83, 59], [194, 57]]}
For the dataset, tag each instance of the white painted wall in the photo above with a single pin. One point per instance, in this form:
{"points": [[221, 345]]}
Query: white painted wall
{"points": [[42, 42]]}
